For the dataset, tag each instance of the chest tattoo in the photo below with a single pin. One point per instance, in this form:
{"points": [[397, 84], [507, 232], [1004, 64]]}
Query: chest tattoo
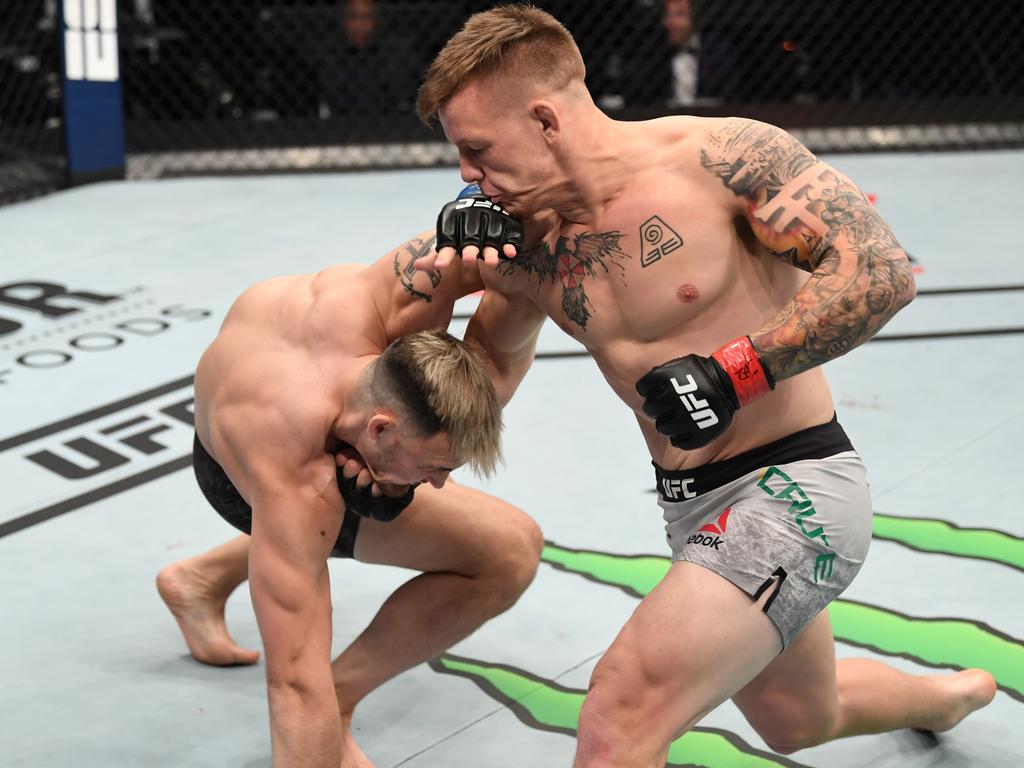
{"points": [[657, 239], [414, 249], [571, 264]]}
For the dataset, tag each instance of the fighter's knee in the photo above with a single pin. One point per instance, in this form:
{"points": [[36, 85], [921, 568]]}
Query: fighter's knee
{"points": [[619, 697], [793, 727], [508, 562], [602, 730], [617, 708], [531, 546], [788, 744], [521, 549]]}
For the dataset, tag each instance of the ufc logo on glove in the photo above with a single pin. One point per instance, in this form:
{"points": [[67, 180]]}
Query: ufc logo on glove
{"points": [[701, 414], [715, 388]]}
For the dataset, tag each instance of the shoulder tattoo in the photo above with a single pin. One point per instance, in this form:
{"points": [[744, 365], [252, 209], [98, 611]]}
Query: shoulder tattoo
{"points": [[754, 160]]}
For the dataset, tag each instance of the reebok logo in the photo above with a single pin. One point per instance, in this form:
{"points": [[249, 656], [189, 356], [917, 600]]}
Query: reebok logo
{"points": [[716, 529], [718, 526], [701, 414]]}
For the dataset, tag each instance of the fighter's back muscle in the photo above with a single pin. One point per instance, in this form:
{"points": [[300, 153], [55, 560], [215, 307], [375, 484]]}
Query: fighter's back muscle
{"points": [[288, 347], [260, 381]]}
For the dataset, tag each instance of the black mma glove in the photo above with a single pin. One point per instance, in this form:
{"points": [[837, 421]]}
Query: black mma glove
{"points": [[365, 504], [692, 399], [472, 219]]}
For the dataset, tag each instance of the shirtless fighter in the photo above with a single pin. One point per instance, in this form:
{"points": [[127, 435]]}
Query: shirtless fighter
{"points": [[710, 266], [348, 362]]}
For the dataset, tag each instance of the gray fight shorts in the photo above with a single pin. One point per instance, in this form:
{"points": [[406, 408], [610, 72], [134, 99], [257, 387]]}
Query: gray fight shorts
{"points": [[791, 518]]}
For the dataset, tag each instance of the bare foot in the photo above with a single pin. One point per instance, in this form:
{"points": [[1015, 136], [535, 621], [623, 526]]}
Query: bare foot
{"points": [[351, 755], [967, 691], [200, 616]]}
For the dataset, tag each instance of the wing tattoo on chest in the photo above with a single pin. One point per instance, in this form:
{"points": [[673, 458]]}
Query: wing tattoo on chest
{"points": [[572, 263]]}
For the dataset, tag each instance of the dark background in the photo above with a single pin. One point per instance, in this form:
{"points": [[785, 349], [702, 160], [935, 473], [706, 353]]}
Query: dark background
{"points": [[262, 74]]}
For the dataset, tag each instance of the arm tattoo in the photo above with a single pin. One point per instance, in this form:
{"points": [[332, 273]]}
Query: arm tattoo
{"points": [[415, 249], [860, 277], [754, 160], [572, 267]]}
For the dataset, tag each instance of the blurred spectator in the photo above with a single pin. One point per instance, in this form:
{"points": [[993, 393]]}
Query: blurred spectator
{"points": [[360, 22], [684, 44], [365, 68], [676, 65]]}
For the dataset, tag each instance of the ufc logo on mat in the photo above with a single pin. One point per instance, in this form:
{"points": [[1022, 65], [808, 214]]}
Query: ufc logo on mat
{"points": [[90, 40], [703, 416]]}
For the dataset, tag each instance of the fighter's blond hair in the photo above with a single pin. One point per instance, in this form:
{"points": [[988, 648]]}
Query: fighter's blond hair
{"points": [[440, 384], [524, 42]]}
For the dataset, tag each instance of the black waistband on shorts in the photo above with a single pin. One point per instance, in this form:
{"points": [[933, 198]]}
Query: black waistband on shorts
{"points": [[816, 442]]}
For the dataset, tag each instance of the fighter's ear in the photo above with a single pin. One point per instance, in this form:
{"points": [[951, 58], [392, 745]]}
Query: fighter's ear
{"points": [[381, 425], [545, 113]]}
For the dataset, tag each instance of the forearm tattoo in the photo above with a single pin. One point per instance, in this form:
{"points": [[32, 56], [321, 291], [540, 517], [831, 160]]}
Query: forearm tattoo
{"points": [[860, 277], [414, 249], [572, 266]]}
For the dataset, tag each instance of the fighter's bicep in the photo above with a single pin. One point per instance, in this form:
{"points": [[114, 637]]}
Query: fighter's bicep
{"points": [[822, 216], [796, 223]]}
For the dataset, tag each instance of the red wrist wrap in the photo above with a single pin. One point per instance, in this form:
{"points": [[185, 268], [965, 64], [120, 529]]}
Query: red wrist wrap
{"points": [[741, 361]]}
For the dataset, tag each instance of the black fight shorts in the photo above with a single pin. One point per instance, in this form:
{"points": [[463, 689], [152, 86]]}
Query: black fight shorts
{"points": [[225, 498]]}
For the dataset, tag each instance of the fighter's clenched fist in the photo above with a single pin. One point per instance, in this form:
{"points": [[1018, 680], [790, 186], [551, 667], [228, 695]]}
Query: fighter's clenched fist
{"points": [[476, 228]]}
